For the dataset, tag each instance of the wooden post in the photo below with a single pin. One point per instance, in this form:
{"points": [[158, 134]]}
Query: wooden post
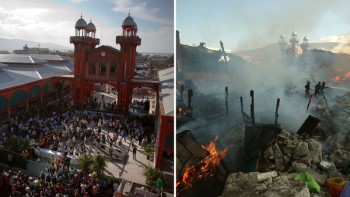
{"points": [[182, 92], [276, 112], [242, 108], [226, 100], [252, 109], [190, 94]]}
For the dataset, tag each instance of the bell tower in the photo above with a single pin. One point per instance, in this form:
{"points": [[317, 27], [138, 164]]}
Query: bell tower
{"points": [[128, 42], [84, 41]]}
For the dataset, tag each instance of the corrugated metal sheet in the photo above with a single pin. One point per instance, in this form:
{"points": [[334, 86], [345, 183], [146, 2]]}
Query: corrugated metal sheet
{"points": [[19, 59], [46, 57], [166, 80], [22, 69]]}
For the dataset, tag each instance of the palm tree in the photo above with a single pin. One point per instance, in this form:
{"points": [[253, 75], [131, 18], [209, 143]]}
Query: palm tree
{"points": [[149, 149], [99, 164], [85, 162], [151, 174]]}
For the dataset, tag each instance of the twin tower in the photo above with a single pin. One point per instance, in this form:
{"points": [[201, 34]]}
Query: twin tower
{"points": [[104, 64]]}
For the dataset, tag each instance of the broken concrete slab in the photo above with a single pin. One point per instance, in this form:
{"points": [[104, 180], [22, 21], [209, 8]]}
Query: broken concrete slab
{"points": [[237, 185]]}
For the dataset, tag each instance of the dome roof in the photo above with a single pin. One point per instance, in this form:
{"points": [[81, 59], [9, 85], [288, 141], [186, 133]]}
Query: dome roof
{"points": [[81, 23], [91, 27], [129, 21], [294, 33], [306, 38]]}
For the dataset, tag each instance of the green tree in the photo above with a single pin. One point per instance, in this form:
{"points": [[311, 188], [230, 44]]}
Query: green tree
{"points": [[99, 164], [149, 149], [151, 174], [85, 163]]}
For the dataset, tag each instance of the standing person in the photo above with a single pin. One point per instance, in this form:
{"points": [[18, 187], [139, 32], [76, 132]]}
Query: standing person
{"points": [[159, 185], [307, 89], [134, 150], [133, 142], [323, 86], [115, 186], [120, 179], [317, 88], [9, 158]]}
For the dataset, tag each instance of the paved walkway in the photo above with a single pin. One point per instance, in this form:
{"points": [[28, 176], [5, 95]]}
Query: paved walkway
{"points": [[131, 169]]}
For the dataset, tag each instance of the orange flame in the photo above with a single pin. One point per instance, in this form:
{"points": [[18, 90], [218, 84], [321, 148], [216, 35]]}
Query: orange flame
{"points": [[208, 165], [346, 76], [339, 78], [336, 78]]}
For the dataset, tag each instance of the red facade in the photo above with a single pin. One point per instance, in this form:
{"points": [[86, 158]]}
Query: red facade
{"points": [[106, 64]]}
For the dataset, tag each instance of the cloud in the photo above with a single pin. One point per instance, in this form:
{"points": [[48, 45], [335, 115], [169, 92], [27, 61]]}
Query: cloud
{"points": [[141, 11], [343, 41], [160, 39], [340, 39], [35, 24]]}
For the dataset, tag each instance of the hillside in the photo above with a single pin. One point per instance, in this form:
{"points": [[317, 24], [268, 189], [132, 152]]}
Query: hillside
{"points": [[272, 52], [15, 44]]}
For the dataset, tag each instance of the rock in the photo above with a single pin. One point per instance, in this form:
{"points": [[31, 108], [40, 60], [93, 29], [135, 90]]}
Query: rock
{"points": [[301, 150], [327, 166], [299, 167], [265, 176], [284, 135], [335, 173], [286, 159], [277, 151], [268, 152], [279, 163], [319, 178], [291, 144], [313, 157], [261, 187], [243, 184], [315, 146]]}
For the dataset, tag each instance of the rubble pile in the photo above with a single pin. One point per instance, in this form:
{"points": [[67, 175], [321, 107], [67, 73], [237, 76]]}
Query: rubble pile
{"points": [[338, 115], [264, 184], [324, 155], [282, 160]]}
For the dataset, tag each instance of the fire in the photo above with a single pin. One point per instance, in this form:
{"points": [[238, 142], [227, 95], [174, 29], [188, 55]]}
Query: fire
{"points": [[339, 78], [347, 75], [336, 78], [208, 165]]}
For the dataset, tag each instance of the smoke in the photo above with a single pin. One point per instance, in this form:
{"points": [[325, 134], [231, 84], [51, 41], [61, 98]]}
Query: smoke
{"points": [[341, 48], [251, 24], [269, 80]]}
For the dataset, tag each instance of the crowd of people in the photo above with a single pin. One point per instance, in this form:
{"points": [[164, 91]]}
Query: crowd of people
{"points": [[56, 181], [93, 103], [70, 132], [140, 106], [73, 131]]}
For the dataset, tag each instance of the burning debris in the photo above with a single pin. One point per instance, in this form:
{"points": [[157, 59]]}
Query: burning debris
{"points": [[339, 78], [208, 165], [201, 170]]}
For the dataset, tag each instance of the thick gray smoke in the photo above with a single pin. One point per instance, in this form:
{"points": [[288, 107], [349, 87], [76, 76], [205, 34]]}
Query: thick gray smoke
{"points": [[269, 81]]}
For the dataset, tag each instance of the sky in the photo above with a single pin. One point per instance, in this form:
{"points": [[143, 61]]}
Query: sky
{"points": [[243, 25], [54, 20]]}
